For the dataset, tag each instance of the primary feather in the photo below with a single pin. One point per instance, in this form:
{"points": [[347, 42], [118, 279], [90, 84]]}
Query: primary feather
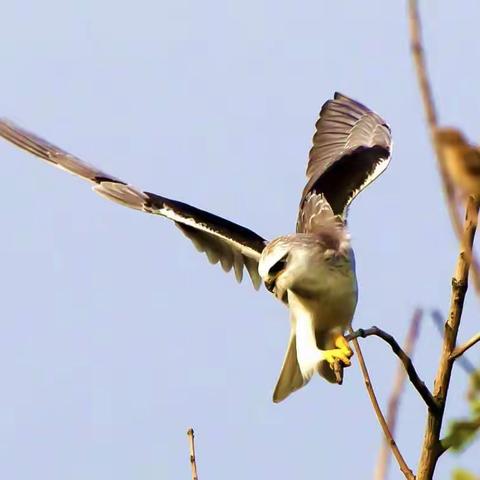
{"points": [[312, 271]]}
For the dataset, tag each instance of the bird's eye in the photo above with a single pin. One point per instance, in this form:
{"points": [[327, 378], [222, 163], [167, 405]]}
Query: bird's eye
{"points": [[277, 267]]}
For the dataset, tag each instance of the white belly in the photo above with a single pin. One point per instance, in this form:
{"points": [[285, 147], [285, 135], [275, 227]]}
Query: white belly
{"points": [[330, 300]]}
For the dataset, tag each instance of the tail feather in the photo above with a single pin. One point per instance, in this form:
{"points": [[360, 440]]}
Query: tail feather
{"points": [[290, 378]]}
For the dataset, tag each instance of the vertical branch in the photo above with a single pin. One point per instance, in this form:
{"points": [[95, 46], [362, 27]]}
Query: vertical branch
{"points": [[381, 468], [432, 449], [378, 412], [429, 106], [193, 461], [432, 122]]}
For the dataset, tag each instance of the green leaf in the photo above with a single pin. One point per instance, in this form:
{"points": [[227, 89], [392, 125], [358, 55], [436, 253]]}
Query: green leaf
{"points": [[461, 474], [475, 407], [475, 381], [461, 433]]}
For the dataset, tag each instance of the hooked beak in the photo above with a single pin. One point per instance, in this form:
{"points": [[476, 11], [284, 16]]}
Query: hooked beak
{"points": [[271, 286], [270, 283], [273, 274]]}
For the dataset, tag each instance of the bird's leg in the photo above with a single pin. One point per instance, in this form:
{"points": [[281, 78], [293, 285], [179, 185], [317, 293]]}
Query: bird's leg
{"points": [[341, 354], [341, 342], [309, 356]]}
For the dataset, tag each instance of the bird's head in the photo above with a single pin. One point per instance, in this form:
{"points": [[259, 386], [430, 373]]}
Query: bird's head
{"points": [[301, 261], [273, 263]]}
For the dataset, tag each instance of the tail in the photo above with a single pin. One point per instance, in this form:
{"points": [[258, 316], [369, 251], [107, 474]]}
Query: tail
{"points": [[290, 378]]}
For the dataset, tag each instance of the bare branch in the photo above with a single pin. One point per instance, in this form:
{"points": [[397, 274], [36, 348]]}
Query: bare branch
{"points": [[431, 115], [193, 461], [378, 412], [429, 106], [406, 361], [467, 366], [432, 447], [463, 348], [381, 468]]}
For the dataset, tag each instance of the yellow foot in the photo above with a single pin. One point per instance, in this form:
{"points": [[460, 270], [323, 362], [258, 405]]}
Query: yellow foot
{"points": [[336, 355], [342, 344]]}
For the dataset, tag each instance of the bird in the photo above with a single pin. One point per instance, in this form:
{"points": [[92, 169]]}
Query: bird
{"points": [[310, 271], [461, 160]]}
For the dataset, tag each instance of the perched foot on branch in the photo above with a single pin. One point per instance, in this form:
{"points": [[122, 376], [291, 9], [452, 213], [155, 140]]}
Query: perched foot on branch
{"points": [[338, 365], [342, 344], [336, 355]]}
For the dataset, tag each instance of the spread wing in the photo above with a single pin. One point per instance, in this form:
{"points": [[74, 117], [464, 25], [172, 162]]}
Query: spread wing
{"points": [[351, 147], [316, 215], [234, 246]]}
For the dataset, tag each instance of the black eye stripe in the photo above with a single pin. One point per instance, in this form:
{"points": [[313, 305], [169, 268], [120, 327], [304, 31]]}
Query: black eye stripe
{"points": [[277, 267]]}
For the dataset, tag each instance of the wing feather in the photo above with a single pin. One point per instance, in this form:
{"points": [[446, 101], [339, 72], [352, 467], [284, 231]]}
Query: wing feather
{"points": [[351, 147], [224, 242]]}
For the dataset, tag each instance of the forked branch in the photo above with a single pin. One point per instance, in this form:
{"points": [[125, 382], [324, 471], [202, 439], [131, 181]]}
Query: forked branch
{"points": [[432, 447], [416, 381], [463, 362], [460, 350]]}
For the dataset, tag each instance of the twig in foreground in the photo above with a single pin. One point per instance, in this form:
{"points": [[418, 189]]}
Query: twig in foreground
{"points": [[193, 461], [378, 412], [381, 468], [405, 359]]}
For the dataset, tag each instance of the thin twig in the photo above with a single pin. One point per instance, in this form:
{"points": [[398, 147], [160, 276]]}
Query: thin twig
{"points": [[193, 461], [432, 448], [463, 348], [378, 412], [381, 468], [465, 364], [420, 386], [432, 122]]}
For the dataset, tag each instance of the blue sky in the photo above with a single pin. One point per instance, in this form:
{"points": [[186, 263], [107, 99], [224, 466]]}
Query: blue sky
{"points": [[116, 335]]}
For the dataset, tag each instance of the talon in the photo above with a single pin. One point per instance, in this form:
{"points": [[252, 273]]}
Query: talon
{"points": [[342, 344], [336, 354]]}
